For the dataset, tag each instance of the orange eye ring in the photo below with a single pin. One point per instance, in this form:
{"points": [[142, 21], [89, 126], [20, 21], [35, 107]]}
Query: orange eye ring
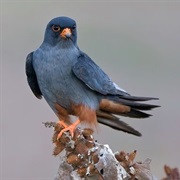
{"points": [[56, 28]]}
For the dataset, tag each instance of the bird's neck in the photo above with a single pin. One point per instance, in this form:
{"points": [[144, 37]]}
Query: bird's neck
{"points": [[66, 44], [63, 44]]}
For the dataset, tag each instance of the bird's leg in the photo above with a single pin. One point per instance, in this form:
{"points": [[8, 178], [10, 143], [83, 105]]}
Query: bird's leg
{"points": [[69, 128], [62, 123]]}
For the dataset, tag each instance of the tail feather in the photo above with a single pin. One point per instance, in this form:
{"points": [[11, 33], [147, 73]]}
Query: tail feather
{"points": [[132, 103], [124, 106], [118, 125], [114, 122], [135, 114]]}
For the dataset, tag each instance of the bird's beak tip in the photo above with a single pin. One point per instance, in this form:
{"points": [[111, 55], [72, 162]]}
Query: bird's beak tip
{"points": [[66, 33]]}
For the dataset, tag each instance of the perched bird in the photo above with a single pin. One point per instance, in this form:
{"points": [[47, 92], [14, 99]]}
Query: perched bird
{"points": [[72, 84]]}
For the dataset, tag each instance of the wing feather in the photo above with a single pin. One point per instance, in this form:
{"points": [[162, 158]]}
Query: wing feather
{"points": [[94, 77], [31, 76]]}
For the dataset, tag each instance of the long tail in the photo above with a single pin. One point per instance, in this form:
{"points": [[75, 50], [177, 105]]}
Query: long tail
{"points": [[124, 106]]}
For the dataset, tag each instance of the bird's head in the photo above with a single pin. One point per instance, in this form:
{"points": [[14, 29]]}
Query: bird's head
{"points": [[61, 30]]}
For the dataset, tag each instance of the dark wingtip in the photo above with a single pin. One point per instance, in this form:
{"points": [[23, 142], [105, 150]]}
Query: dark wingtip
{"points": [[132, 102], [154, 106], [138, 134], [155, 98], [119, 125], [137, 98], [142, 106], [137, 114], [133, 131]]}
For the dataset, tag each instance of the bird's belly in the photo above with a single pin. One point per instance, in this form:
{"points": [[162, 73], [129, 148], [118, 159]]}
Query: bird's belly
{"points": [[63, 87]]}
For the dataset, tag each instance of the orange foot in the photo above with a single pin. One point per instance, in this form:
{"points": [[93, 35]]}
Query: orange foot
{"points": [[69, 128]]}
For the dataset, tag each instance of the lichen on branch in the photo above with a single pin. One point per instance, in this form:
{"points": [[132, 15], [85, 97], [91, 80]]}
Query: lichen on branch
{"points": [[81, 157]]}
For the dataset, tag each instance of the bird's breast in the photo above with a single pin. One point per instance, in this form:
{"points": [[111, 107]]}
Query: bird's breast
{"points": [[54, 69]]}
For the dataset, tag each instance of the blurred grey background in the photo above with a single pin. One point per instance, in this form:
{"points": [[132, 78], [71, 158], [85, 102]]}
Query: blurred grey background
{"points": [[136, 43]]}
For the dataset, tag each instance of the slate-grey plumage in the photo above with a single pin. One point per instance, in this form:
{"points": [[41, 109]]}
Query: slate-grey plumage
{"points": [[72, 84]]}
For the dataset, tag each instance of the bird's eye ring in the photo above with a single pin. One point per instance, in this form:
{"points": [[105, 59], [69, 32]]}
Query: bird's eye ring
{"points": [[56, 28]]}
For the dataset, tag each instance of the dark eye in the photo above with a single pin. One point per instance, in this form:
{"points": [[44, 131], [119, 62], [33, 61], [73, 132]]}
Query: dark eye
{"points": [[56, 28], [74, 27]]}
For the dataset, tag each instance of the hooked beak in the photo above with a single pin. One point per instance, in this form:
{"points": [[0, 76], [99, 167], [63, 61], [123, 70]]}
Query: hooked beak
{"points": [[66, 33]]}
